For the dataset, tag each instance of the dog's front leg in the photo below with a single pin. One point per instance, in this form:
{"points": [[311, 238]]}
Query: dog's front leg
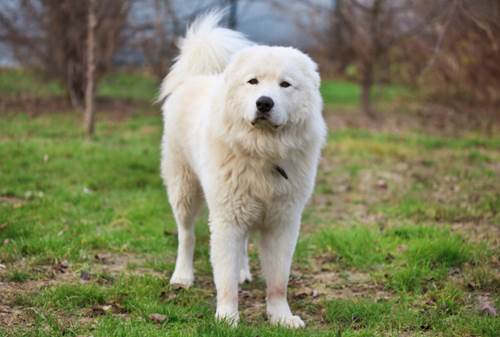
{"points": [[226, 248], [277, 245]]}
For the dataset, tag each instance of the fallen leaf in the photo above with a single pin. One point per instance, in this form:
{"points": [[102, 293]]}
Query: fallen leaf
{"points": [[103, 258], [61, 266], [164, 295], [106, 307], [178, 286], [430, 302], [486, 307], [84, 275], [303, 292], [425, 327], [382, 184], [157, 318], [98, 310], [118, 308], [390, 257]]}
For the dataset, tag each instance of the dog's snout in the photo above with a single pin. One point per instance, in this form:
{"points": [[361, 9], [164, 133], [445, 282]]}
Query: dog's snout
{"points": [[264, 105]]}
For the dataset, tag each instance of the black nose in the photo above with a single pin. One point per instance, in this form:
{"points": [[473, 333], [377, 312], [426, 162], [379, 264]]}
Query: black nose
{"points": [[264, 104]]}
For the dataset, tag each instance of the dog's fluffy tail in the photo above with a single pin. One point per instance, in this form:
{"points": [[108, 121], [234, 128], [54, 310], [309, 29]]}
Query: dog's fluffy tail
{"points": [[205, 50]]}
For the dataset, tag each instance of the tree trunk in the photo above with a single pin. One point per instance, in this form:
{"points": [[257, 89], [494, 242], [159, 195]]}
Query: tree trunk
{"points": [[339, 45], [366, 88], [233, 14], [90, 71], [74, 86]]}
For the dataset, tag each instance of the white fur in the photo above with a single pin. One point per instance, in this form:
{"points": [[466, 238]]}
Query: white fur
{"points": [[211, 151]]}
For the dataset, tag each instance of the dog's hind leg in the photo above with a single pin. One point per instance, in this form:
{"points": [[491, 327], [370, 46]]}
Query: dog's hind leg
{"points": [[185, 196], [245, 274]]}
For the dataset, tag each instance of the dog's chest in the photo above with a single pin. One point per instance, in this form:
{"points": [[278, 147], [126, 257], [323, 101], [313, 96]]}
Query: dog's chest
{"points": [[256, 190]]}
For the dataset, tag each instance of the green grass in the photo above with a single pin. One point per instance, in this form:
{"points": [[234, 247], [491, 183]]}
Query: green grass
{"points": [[354, 246], [428, 254], [82, 198], [17, 276], [399, 239], [357, 313], [118, 85], [19, 82], [343, 93], [336, 92], [445, 314], [135, 86]]}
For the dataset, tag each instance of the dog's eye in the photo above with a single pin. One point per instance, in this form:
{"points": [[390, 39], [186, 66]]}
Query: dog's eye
{"points": [[253, 81], [285, 84]]}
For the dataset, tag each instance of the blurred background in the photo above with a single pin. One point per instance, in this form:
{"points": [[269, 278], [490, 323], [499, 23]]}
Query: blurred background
{"points": [[439, 57], [400, 238]]}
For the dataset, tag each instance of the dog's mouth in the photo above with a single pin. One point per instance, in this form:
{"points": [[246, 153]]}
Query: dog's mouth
{"points": [[263, 123]]}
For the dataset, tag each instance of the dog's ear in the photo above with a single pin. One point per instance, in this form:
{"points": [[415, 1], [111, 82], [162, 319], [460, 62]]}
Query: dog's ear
{"points": [[313, 71], [308, 66], [234, 65]]}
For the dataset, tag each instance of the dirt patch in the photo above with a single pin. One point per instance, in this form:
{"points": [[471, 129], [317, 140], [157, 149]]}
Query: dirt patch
{"points": [[323, 280], [12, 200], [479, 232], [115, 264], [14, 314], [430, 118], [309, 288], [106, 265]]}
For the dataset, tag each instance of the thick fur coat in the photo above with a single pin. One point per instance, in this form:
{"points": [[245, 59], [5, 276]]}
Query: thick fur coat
{"points": [[243, 131]]}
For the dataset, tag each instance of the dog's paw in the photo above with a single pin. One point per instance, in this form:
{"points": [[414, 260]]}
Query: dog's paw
{"points": [[245, 275], [184, 281], [231, 318], [291, 322]]}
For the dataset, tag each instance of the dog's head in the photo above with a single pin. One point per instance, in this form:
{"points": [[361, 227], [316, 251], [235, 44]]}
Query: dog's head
{"points": [[270, 88]]}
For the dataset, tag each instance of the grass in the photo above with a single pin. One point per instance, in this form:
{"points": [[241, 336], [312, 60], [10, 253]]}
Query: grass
{"points": [[356, 313], [124, 85], [400, 238], [343, 93], [427, 255], [129, 86], [355, 246], [20, 82], [447, 316]]}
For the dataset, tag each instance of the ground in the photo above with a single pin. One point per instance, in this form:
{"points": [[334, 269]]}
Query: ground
{"points": [[401, 238]]}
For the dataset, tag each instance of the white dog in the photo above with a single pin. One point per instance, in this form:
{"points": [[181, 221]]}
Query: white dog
{"points": [[243, 130]]}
